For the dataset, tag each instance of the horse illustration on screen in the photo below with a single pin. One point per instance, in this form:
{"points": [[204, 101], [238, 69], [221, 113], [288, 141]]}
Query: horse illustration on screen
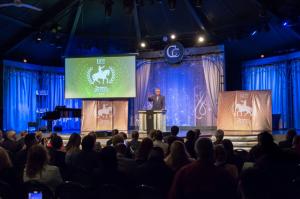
{"points": [[241, 109], [101, 75], [105, 111]]}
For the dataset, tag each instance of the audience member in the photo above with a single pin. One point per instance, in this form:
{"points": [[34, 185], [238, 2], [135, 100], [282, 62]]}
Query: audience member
{"points": [[288, 143], [219, 137], [72, 149], [144, 150], [21, 156], [178, 156], [117, 139], [37, 168], [174, 136], [154, 172], [191, 137], [10, 143], [221, 161], [113, 133], [231, 157], [296, 145], [202, 178], [134, 144], [98, 146], [158, 141], [197, 132], [125, 164], [22, 137], [56, 152], [1, 137]]}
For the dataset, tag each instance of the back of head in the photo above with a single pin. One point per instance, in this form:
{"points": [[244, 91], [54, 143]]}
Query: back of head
{"points": [[156, 154], [11, 135], [220, 153], [56, 142], [191, 135], [124, 135], [74, 141], [88, 143], [117, 139], [39, 135], [174, 130], [291, 134], [36, 160], [114, 132], [158, 135], [135, 135], [108, 157], [177, 149], [219, 135], [265, 138], [5, 161], [121, 148], [197, 132], [228, 146], [145, 148], [23, 133], [204, 149], [30, 140]]}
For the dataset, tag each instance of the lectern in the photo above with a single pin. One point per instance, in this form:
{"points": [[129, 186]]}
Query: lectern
{"points": [[149, 120]]}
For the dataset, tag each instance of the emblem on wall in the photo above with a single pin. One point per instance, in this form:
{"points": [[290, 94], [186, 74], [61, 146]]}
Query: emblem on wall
{"points": [[174, 53]]}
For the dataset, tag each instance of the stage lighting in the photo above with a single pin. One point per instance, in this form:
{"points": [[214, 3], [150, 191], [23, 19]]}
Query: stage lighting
{"points": [[253, 33], [143, 44], [285, 23], [25, 60], [262, 56], [200, 39], [198, 3], [173, 36], [172, 4], [165, 38]]}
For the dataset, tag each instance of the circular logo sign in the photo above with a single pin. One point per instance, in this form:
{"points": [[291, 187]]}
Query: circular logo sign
{"points": [[174, 52]]}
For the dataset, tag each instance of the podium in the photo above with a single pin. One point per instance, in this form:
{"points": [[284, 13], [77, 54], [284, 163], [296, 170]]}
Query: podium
{"points": [[152, 119]]}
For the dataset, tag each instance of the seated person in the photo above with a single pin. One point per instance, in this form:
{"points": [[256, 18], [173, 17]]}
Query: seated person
{"points": [[288, 143]]}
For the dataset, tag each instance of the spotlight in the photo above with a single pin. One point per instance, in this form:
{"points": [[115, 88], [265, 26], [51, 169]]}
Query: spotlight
{"points": [[143, 44], [200, 39], [262, 56], [172, 4], [25, 60], [39, 37], [285, 23], [165, 38], [253, 33], [173, 36]]}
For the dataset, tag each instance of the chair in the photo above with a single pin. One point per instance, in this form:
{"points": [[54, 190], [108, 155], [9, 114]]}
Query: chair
{"points": [[35, 186], [71, 190], [148, 192], [6, 192]]}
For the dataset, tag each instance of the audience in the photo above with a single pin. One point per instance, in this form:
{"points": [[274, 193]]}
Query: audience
{"points": [[216, 173], [191, 137], [219, 137], [158, 141], [174, 135], [113, 133], [202, 178], [288, 143], [1, 137], [178, 156], [37, 168]]}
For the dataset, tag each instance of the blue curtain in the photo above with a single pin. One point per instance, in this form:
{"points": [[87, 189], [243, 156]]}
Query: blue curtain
{"points": [[22, 104], [19, 98], [296, 92], [270, 77]]}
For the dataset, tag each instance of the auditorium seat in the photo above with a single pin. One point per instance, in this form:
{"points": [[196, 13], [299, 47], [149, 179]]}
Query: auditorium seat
{"points": [[147, 192], [35, 186], [71, 190]]}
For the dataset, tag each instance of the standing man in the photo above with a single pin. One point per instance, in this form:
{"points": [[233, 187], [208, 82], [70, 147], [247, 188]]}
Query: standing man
{"points": [[158, 101]]}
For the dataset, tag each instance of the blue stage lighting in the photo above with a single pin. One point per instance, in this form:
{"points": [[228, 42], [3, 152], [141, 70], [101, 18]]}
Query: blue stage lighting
{"points": [[254, 33], [285, 23]]}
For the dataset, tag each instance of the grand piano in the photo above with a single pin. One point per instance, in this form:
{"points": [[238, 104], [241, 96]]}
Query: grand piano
{"points": [[60, 112]]}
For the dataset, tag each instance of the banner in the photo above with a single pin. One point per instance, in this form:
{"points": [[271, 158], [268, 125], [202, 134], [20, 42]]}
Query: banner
{"points": [[101, 115], [245, 111]]}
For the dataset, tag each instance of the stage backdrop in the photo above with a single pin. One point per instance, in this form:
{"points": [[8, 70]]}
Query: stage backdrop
{"points": [[102, 115], [245, 111], [191, 89]]}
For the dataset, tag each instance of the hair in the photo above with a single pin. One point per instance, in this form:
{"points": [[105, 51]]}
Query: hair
{"points": [[88, 143], [174, 130], [135, 135], [124, 135], [5, 161], [197, 132], [30, 140], [158, 135], [38, 135], [145, 148], [23, 133], [74, 142], [108, 157], [56, 142], [11, 134], [36, 160], [205, 150], [220, 153], [114, 132], [291, 133], [265, 138], [219, 134], [151, 134], [191, 135], [228, 146], [121, 148], [156, 154], [117, 139], [178, 155]]}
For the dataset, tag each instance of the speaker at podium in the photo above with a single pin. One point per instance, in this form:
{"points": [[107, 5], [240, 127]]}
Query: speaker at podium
{"points": [[152, 119]]}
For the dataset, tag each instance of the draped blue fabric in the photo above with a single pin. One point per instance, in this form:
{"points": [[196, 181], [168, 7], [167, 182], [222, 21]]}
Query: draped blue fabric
{"points": [[21, 102], [296, 92], [270, 77]]}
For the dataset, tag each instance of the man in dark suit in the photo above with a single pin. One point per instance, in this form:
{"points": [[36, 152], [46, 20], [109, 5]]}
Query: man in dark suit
{"points": [[158, 101]]}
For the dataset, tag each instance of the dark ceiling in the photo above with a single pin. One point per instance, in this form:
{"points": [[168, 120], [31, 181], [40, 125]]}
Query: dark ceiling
{"points": [[89, 27]]}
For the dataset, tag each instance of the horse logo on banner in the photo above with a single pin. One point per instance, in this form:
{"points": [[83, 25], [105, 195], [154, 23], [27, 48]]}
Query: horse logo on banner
{"points": [[105, 112], [242, 110]]}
